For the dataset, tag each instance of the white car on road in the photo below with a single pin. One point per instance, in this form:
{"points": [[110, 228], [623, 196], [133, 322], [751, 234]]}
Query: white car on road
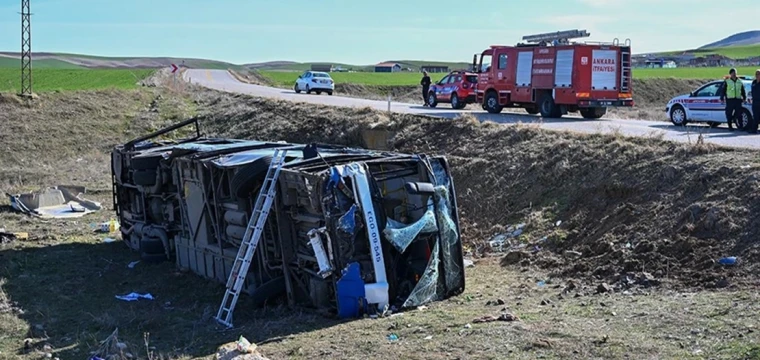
{"points": [[704, 105], [315, 81]]}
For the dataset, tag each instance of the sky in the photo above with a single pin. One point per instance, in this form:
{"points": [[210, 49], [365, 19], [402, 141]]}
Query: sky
{"points": [[358, 32]]}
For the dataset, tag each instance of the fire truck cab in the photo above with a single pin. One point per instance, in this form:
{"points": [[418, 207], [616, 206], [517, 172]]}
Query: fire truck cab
{"points": [[551, 76]]}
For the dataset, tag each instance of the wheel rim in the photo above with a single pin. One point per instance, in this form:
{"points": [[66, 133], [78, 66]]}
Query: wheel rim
{"points": [[455, 101], [431, 99], [745, 120], [546, 106], [678, 116], [492, 102]]}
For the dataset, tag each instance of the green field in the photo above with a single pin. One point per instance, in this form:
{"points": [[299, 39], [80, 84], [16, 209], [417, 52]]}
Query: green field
{"points": [[691, 73], [73, 79], [38, 64], [288, 78], [734, 52]]}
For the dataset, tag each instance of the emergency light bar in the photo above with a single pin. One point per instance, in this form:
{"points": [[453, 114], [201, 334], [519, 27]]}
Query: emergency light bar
{"points": [[559, 35]]}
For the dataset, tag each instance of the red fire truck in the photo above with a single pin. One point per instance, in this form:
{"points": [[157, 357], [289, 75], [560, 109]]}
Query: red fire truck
{"points": [[552, 76]]}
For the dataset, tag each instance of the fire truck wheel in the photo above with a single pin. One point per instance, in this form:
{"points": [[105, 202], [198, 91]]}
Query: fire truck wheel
{"points": [[249, 177], [593, 113], [678, 116], [492, 103], [432, 101], [547, 107], [532, 111]]}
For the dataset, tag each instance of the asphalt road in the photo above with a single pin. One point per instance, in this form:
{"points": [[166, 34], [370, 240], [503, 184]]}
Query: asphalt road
{"points": [[222, 80]]}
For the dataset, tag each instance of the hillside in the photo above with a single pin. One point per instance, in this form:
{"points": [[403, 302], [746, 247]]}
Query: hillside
{"points": [[62, 60], [738, 39], [294, 66]]}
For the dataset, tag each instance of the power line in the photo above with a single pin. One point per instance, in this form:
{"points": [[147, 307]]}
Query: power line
{"points": [[26, 48]]}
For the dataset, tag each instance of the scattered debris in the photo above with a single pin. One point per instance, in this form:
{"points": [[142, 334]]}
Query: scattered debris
{"points": [[109, 240], [241, 349], [429, 337], [467, 326], [573, 254], [245, 346], [133, 264], [62, 201], [468, 263], [135, 296], [731, 260], [112, 348], [392, 337], [546, 302], [501, 241], [110, 227]]}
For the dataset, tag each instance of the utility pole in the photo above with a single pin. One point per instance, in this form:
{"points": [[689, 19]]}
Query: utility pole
{"points": [[26, 49]]}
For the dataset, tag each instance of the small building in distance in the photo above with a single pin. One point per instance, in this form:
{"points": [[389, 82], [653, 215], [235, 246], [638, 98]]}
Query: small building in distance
{"points": [[387, 67], [322, 67], [435, 68]]}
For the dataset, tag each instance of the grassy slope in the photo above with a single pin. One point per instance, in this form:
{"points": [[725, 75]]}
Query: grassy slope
{"points": [[38, 64], [414, 64], [73, 79], [734, 52], [74, 59], [65, 277]]}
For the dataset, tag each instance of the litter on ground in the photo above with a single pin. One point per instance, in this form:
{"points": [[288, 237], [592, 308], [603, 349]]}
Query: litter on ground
{"points": [[62, 201], [134, 297]]}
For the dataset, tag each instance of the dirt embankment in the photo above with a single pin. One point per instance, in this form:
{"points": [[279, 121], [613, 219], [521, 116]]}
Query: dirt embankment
{"points": [[625, 205]]}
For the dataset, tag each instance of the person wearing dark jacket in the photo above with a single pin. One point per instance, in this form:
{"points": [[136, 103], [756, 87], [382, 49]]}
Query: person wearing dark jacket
{"points": [[425, 82], [733, 94], [752, 127]]}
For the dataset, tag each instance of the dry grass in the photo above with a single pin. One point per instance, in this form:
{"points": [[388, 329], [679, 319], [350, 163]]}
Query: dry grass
{"points": [[692, 203]]}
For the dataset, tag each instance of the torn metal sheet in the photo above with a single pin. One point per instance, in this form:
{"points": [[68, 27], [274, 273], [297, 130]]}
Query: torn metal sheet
{"points": [[62, 201]]}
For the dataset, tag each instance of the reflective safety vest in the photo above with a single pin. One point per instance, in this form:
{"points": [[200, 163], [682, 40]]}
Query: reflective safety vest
{"points": [[734, 89]]}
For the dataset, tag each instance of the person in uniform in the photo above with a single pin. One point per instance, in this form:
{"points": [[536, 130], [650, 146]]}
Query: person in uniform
{"points": [[425, 82], [755, 91], [733, 94]]}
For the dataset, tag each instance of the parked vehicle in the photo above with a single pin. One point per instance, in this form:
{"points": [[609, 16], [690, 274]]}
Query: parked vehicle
{"points": [[552, 76], [703, 105], [457, 88], [316, 81], [350, 230]]}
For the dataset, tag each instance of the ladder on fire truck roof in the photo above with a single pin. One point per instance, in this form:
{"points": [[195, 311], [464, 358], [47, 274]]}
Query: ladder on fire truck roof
{"points": [[558, 36], [251, 239]]}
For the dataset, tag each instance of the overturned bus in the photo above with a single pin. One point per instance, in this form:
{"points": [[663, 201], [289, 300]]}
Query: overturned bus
{"points": [[352, 231]]}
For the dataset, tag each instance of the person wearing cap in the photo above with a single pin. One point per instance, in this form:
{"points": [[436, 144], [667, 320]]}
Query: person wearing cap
{"points": [[733, 94], [755, 92]]}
